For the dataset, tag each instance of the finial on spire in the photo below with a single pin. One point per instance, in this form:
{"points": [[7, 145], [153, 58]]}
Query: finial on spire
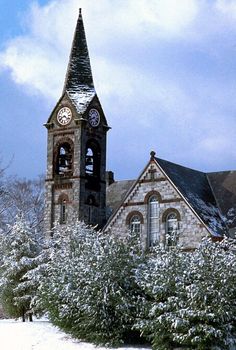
{"points": [[152, 154], [80, 11]]}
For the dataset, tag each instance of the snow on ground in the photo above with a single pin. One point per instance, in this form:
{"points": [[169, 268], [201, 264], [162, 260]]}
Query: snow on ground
{"points": [[40, 335]]}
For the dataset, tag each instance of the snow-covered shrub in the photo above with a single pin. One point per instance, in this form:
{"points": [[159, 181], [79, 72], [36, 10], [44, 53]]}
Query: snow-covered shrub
{"points": [[190, 297], [90, 289], [161, 279], [19, 251]]}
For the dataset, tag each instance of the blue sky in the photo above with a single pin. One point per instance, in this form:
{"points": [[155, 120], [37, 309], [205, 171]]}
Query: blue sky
{"points": [[164, 70]]}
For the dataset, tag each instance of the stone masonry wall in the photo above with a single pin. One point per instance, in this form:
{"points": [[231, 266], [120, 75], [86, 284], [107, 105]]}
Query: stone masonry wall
{"points": [[191, 229]]}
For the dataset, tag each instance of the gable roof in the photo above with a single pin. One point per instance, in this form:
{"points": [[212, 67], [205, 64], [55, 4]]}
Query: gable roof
{"points": [[195, 188], [79, 80]]}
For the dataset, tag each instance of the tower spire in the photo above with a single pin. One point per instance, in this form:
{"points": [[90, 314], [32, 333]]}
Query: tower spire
{"points": [[79, 80]]}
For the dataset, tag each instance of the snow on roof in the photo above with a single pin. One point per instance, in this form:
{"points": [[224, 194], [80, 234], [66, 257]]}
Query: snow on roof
{"points": [[223, 184], [79, 80], [195, 187], [81, 97]]}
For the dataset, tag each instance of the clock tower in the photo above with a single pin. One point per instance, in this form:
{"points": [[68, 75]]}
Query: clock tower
{"points": [[76, 148]]}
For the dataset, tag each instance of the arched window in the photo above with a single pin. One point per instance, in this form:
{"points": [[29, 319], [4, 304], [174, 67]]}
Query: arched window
{"points": [[134, 221], [63, 202], [135, 224], [64, 159], [89, 162], [92, 159], [171, 229], [153, 220], [63, 212], [92, 165]]}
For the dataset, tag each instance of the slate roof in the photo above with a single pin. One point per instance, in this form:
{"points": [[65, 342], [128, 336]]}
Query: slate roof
{"points": [[195, 187], [79, 80], [116, 193], [223, 185]]}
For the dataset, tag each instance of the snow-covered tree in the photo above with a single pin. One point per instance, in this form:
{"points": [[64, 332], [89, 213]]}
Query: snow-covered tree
{"points": [[90, 289], [190, 297], [19, 249], [161, 279], [22, 197]]}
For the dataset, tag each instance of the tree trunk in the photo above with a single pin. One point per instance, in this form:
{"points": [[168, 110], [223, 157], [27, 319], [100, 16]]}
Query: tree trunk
{"points": [[23, 315], [30, 317]]}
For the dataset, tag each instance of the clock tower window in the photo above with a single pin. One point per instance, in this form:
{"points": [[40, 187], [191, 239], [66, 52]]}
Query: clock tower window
{"points": [[63, 202], [63, 212], [92, 165], [92, 160], [64, 159], [89, 163]]}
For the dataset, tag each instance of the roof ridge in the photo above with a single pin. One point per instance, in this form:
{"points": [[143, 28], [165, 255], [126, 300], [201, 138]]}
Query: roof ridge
{"points": [[181, 166]]}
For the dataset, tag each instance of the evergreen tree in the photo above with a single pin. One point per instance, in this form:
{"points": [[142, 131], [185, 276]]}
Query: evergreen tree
{"points": [[90, 289], [190, 297], [19, 257]]}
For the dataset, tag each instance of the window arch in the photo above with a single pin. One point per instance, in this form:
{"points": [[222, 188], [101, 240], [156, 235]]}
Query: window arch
{"points": [[150, 194], [153, 219], [135, 224], [171, 219], [134, 221], [64, 158]]}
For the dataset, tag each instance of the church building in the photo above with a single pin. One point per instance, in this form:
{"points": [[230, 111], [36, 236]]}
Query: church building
{"points": [[168, 202]]}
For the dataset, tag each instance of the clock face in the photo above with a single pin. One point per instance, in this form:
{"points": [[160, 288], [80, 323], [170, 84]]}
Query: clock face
{"points": [[64, 116], [94, 117]]}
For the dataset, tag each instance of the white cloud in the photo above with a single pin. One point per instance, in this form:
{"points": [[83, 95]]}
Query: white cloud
{"points": [[169, 16], [181, 104], [155, 17], [38, 58], [30, 66]]}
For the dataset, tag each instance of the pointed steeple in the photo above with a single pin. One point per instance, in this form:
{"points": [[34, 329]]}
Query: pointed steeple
{"points": [[79, 80]]}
